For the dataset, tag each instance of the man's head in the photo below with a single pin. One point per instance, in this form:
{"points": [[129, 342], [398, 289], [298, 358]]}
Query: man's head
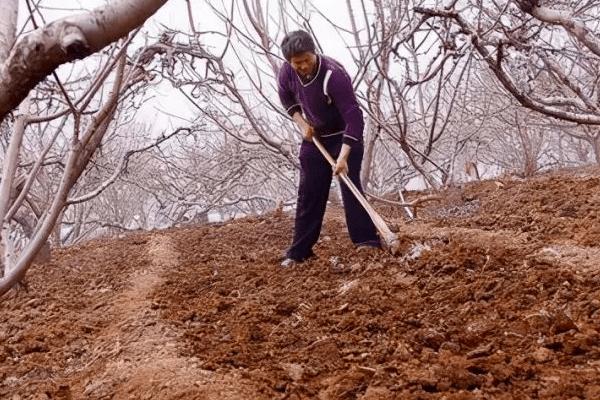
{"points": [[298, 49]]}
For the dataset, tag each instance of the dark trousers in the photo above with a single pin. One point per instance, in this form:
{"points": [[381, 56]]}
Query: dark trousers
{"points": [[315, 181]]}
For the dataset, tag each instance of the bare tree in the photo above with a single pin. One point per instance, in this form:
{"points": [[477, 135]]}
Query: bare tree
{"points": [[30, 60], [554, 72]]}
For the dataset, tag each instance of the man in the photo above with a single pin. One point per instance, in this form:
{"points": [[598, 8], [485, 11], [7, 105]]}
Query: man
{"points": [[317, 93]]}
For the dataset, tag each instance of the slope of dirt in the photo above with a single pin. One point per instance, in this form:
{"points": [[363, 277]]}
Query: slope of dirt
{"points": [[497, 295]]}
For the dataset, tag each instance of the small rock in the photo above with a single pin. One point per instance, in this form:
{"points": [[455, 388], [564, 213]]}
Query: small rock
{"points": [[403, 279], [562, 323], [295, 371], [375, 266], [339, 268], [416, 251], [542, 355], [449, 346], [347, 286], [355, 267], [481, 351], [402, 352], [280, 386], [433, 339], [417, 323]]}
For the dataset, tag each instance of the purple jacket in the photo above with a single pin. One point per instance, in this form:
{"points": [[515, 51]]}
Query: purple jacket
{"points": [[327, 101]]}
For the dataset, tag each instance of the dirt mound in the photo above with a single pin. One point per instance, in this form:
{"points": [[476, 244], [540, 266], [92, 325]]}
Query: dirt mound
{"points": [[497, 296]]}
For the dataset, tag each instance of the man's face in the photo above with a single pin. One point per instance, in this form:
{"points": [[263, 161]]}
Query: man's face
{"points": [[305, 64]]}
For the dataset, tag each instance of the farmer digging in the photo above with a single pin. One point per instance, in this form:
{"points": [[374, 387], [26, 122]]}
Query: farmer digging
{"points": [[317, 93]]}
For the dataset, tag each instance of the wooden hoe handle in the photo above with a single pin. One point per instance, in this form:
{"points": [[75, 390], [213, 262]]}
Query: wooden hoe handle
{"points": [[387, 235]]}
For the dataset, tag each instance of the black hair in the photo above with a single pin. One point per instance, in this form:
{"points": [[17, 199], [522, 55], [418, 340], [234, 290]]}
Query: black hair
{"points": [[297, 42]]}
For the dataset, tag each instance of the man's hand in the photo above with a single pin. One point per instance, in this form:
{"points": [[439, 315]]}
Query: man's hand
{"points": [[341, 167], [307, 130], [341, 164]]}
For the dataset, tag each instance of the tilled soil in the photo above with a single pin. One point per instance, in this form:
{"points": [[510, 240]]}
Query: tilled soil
{"points": [[496, 295]]}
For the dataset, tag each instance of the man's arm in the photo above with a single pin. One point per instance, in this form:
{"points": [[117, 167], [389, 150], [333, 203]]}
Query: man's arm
{"points": [[342, 93], [291, 105], [307, 130], [341, 164]]}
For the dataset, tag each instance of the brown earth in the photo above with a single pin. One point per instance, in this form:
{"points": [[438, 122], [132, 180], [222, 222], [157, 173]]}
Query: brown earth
{"points": [[496, 296]]}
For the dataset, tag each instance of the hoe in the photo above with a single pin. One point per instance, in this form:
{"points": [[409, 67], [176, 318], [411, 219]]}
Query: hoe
{"points": [[390, 239]]}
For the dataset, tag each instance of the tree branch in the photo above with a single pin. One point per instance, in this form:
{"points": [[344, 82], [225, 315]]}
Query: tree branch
{"points": [[39, 53]]}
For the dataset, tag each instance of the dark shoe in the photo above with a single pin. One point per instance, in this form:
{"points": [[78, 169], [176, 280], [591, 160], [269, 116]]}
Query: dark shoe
{"points": [[375, 243]]}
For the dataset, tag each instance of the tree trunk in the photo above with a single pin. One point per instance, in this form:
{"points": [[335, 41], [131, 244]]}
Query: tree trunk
{"points": [[9, 168], [596, 145], [40, 52], [371, 138]]}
